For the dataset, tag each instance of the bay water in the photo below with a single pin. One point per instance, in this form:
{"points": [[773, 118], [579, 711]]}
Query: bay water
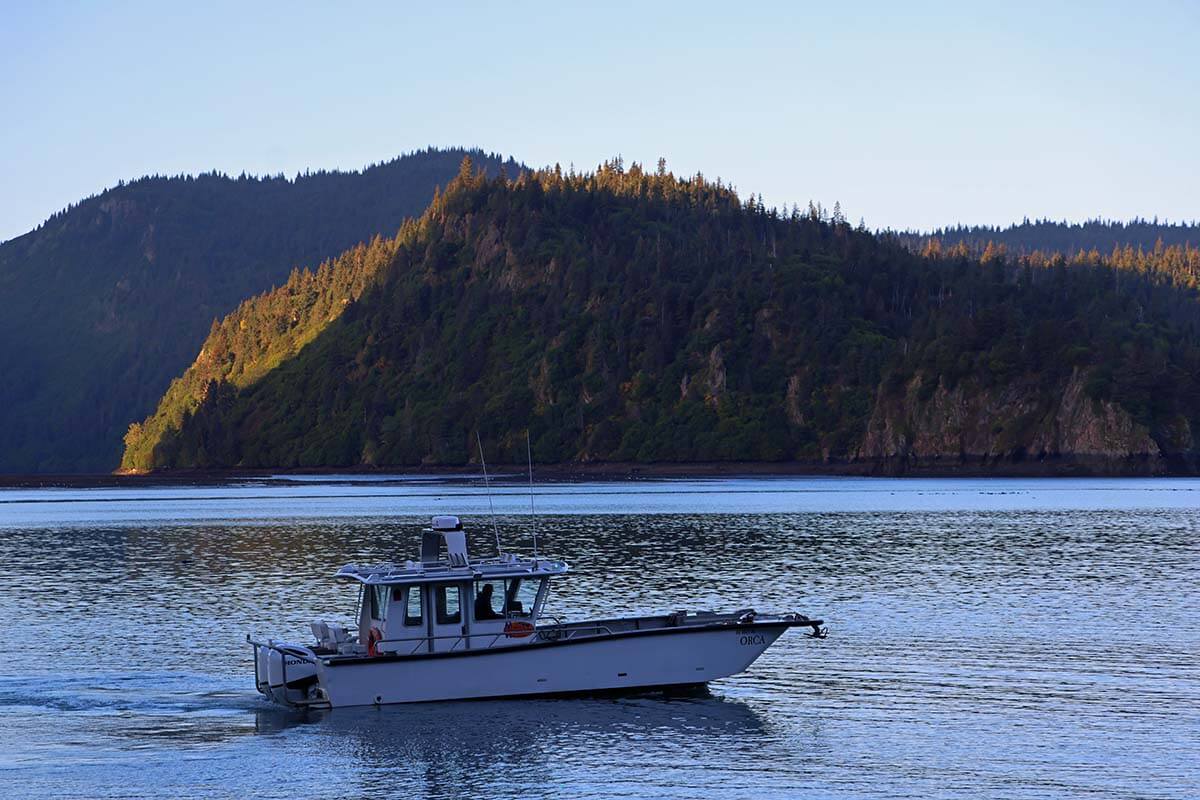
{"points": [[1001, 638]]}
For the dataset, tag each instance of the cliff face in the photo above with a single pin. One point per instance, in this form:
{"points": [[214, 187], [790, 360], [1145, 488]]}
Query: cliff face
{"points": [[1022, 420]]}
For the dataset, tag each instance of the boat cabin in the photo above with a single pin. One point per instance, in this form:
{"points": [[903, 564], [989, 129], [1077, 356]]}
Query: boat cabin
{"points": [[446, 601]]}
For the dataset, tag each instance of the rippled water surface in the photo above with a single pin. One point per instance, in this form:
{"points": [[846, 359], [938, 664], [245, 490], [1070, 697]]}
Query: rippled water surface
{"points": [[1003, 639]]}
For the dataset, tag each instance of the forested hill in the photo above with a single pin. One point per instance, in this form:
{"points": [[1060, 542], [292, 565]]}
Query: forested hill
{"points": [[635, 316], [1069, 238], [111, 298]]}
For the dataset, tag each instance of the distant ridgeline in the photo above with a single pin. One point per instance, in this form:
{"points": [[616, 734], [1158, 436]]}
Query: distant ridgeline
{"points": [[634, 316], [1045, 237], [111, 298]]}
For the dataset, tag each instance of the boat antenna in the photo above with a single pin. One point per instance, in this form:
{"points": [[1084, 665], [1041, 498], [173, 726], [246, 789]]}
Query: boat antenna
{"points": [[532, 513], [488, 486]]}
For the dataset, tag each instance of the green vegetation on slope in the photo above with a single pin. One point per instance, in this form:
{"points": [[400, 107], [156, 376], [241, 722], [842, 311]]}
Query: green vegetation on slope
{"points": [[627, 315], [111, 298]]}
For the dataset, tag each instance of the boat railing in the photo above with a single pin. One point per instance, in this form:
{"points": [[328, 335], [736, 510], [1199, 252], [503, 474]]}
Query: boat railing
{"points": [[555, 632], [425, 641], [549, 633], [560, 632]]}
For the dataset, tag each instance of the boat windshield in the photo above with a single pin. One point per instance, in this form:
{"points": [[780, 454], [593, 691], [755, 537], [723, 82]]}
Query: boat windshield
{"points": [[522, 596], [500, 598]]}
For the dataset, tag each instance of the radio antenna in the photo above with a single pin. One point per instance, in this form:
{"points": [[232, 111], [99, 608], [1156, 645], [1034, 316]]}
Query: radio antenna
{"points": [[532, 513], [488, 486]]}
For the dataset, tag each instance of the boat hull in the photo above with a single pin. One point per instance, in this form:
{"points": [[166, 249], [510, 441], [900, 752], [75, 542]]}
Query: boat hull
{"points": [[627, 661]]}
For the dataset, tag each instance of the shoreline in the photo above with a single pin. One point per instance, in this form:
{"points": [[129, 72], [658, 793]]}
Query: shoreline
{"points": [[935, 468]]}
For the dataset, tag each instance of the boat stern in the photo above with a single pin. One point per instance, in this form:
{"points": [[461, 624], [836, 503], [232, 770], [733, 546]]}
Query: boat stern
{"points": [[288, 674]]}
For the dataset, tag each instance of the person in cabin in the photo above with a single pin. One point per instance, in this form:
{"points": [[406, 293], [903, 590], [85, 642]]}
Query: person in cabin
{"points": [[483, 604]]}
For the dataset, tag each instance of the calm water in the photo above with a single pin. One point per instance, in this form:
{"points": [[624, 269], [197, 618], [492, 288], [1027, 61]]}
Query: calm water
{"points": [[1003, 639]]}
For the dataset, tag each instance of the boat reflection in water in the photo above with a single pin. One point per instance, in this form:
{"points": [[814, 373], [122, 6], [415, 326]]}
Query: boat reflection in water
{"points": [[526, 744]]}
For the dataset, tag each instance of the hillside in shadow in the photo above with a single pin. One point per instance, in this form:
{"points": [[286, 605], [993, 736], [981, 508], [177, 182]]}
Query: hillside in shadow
{"points": [[625, 315], [109, 299]]}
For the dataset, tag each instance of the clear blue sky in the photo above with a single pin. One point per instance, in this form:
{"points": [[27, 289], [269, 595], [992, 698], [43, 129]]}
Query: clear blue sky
{"points": [[911, 114]]}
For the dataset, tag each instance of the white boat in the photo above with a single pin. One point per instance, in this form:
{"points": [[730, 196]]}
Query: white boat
{"points": [[450, 627]]}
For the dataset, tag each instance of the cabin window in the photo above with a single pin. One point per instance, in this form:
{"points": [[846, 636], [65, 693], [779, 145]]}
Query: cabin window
{"points": [[413, 609], [489, 600], [377, 597], [522, 596], [446, 604]]}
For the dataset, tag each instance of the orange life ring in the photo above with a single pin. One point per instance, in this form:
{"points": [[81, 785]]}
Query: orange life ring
{"points": [[518, 630], [373, 640]]}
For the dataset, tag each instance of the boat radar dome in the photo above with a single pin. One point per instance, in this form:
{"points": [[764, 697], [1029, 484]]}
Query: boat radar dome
{"points": [[446, 529]]}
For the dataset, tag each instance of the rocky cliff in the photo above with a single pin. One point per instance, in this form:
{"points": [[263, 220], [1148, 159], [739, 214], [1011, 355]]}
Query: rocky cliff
{"points": [[1017, 422]]}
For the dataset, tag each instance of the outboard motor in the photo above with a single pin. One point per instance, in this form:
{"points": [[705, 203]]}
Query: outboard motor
{"points": [[261, 668], [290, 673]]}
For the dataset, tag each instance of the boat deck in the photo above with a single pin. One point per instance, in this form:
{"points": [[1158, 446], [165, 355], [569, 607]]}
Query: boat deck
{"points": [[677, 619]]}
